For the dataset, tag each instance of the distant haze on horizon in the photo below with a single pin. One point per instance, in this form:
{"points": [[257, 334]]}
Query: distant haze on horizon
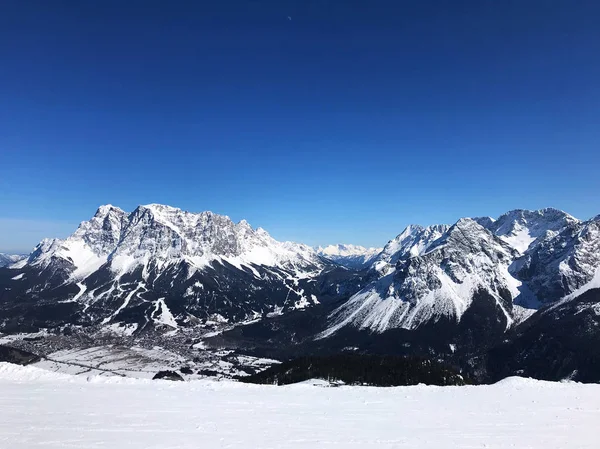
{"points": [[342, 125]]}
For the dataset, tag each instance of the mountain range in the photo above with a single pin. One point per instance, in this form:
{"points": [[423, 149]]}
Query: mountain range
{"points": [[350, 256], [9, 259], [514, 295]]}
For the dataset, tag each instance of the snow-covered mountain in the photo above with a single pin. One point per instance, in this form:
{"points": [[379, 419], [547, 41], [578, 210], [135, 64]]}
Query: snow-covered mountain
{"points": [[436, 275], [529, 279], [9, 259], [155, 237], [563, 264], [520, 228], [413, 241], [165, 266], [519, 261], [350, 256]]}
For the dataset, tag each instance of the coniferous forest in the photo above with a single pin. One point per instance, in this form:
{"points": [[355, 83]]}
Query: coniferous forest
{"points": [[357, 369]]}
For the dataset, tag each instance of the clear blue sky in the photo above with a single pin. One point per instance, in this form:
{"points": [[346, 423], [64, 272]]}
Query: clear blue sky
{"points": [[322, 121]]}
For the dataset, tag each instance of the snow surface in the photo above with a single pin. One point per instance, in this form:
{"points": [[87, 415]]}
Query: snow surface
{"points": [[521, 228], [594, 283], [162, 314], [352, 256], [111, 361], [10, 259], [57, 411], [347, 250], [521, 239]]}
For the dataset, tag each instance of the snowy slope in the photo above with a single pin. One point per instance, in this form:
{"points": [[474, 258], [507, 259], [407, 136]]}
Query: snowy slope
{"points": [[350, 256], [413, 241], [563, 264], [458, 287], [521, 228], [165, 236], [163, 266], [436, 275], [10, 259], [117, 413], [520, 260]]}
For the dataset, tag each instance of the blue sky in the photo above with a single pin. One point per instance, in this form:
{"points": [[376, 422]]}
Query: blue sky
{"points": [[321, 121]]}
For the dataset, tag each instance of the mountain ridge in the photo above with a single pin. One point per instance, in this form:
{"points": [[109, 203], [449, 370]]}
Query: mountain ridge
{"points": [[10, 259], [456, 290], [447, 266], [348, 255]]}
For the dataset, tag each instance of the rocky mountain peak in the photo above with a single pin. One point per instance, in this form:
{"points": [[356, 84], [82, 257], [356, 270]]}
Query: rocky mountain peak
{"points": [[486, 222], [563, 262], [164, 235], [412, 241], [521, 228]]}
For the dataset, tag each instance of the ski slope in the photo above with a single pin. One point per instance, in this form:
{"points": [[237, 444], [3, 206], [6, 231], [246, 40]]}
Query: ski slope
{"points": [[58, 411]]}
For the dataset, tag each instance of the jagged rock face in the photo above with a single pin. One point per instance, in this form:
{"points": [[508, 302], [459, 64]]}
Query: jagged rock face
{"points": [[164, 236], [562, 263], [349, 256], [162, 266], [521, 260], [465, 251], [413, 241], [455, 288], [521, 228], [433, 278]]}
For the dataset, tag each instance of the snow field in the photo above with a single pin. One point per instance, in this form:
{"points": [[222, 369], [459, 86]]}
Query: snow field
{"points": [[50, 410]]}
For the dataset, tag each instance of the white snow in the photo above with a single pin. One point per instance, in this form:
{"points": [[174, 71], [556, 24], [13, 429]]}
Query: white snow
{"points": [[18, 277], [54, 411], [594, 283], [521, 228], [381, 306], [125, 303], [122, 329], [11, 260], [348, 250], [9, 338], [349, 256], [158, 237], [520, 239], [82, 289], [111, 361], [162, 314]]}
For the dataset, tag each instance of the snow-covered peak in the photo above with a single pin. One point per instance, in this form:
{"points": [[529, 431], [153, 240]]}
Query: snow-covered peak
{"points": [[245, 224], [519, 260], [436, 274], [351, 256], [107, 209], [346, 250], [433, 273], [160, 235], [468, 236], [562, 263], [9, 259], [411, 242], [486, 222], [41, 254], [521, 228]]}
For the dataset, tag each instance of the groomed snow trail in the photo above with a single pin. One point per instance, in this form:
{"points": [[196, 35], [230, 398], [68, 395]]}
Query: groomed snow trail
{"points": [[42, 409]]}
